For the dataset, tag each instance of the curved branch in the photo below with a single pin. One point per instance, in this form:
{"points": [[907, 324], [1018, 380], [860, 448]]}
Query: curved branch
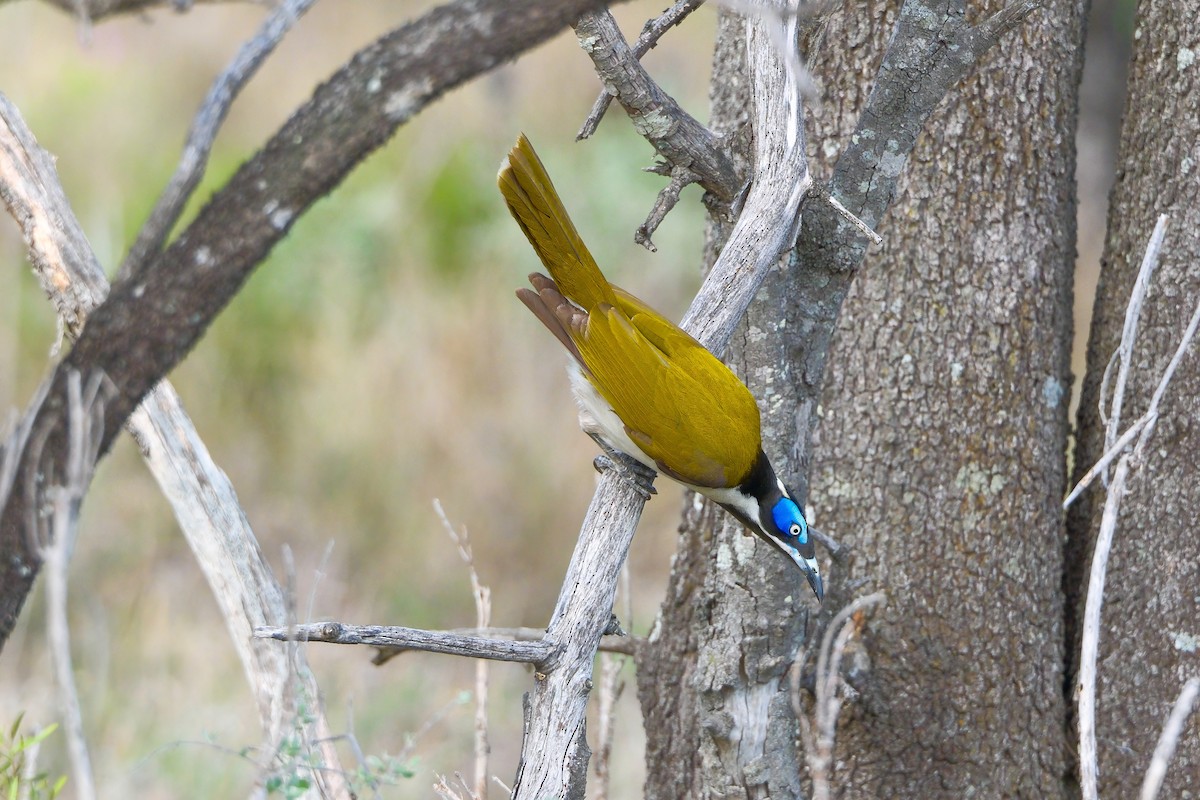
{"points": [[150, 322]]}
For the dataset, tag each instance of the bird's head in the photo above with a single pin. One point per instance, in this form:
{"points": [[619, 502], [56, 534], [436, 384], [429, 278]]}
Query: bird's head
{"points": [[787, 529], [764, 505]]}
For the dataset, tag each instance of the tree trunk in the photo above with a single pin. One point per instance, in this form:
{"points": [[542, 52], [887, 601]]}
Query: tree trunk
{"points": [[1151, 606], [730, 732], [962, 317], [940, 452]]}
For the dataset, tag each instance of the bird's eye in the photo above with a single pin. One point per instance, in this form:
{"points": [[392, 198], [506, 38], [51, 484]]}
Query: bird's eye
{"points": [[794, 531]]}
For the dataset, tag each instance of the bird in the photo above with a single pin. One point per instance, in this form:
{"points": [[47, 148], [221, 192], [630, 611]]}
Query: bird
{"points": [[644, 386]]}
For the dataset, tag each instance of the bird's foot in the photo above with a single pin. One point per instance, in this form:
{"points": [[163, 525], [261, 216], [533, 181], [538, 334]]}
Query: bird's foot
{"points": [[629, 469], [631, 472]]}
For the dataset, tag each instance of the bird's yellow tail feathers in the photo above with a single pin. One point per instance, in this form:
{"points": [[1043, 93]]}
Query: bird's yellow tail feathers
{"points": [[535, 205]]}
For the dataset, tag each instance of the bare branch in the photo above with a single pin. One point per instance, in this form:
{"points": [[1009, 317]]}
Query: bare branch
{"points": [[651, 33], [1109, 456], [554, 750], [200, 494], [1124, 354], [770, 214], [445, 642], [1169, 738], [667, 198], [820, 734], [85, 416], [610, 692], [152, 320], [204, 129], [676, 135]]}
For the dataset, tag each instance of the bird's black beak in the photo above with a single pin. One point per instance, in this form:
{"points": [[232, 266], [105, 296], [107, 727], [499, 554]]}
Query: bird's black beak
{"points": [[807, 565], [814, 580]]}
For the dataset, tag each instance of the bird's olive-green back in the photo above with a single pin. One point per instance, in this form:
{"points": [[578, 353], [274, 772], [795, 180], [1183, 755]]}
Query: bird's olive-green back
{"points": [[679, 403]]}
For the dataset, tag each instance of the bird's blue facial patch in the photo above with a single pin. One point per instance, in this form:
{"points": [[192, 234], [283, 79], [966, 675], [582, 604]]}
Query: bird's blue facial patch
{"points": [[789, 521]]}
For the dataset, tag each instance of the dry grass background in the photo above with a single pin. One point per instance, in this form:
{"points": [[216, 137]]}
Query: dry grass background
{"points": [[377, 361]]}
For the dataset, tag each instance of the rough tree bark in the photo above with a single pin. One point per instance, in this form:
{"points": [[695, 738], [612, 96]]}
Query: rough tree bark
{"points": [[940, 450], [1149, 629], [971, 324]]}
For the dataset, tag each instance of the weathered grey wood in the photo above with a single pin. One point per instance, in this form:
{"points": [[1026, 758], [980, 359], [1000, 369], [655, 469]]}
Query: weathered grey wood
{"points": [[675, 134], [555, 752], [770, 215], [447, 642]]}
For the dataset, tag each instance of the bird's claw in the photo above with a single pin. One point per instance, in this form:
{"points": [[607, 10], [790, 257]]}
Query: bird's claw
{"points": [[630, 471]]}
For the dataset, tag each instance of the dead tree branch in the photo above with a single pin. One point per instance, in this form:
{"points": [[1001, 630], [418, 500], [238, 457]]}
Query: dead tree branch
{"points": [[537, 652], [56, 544], [152, 320], [1169, 739], [677, 136], [652, 31], [820, 734]]}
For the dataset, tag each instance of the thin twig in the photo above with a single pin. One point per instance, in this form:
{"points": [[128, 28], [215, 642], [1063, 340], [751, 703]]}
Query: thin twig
{"points": [[820, 734], [1133, 311], [411, 639], [1169, 738], [1106, 459], [667, 199], [351, 738], [651, 33], [85, 420], [610, 693], [483, 618], [207, 122], [847, 214]]}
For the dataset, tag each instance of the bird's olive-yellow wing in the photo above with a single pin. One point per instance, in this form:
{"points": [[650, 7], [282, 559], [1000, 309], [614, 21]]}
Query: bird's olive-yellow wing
{"points": [[681, 405]]}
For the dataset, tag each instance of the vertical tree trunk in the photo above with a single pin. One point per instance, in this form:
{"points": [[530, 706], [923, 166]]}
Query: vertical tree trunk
{"points": [[1149, 628], [940, 451], [940, 460]]}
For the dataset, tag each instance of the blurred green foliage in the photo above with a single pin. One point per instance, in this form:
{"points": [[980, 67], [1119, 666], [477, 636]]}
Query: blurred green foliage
{"points": [[19, 777]]}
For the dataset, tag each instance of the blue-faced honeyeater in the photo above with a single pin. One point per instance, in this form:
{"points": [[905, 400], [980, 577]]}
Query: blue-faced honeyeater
{"points": [[644, 386]]}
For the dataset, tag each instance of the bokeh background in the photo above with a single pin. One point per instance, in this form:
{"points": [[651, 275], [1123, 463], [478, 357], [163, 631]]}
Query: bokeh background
{"points": [[376, 361]]}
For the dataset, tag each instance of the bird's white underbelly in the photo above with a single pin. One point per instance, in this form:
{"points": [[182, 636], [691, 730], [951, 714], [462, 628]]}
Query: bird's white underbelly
{"points": [[596, 416]]}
